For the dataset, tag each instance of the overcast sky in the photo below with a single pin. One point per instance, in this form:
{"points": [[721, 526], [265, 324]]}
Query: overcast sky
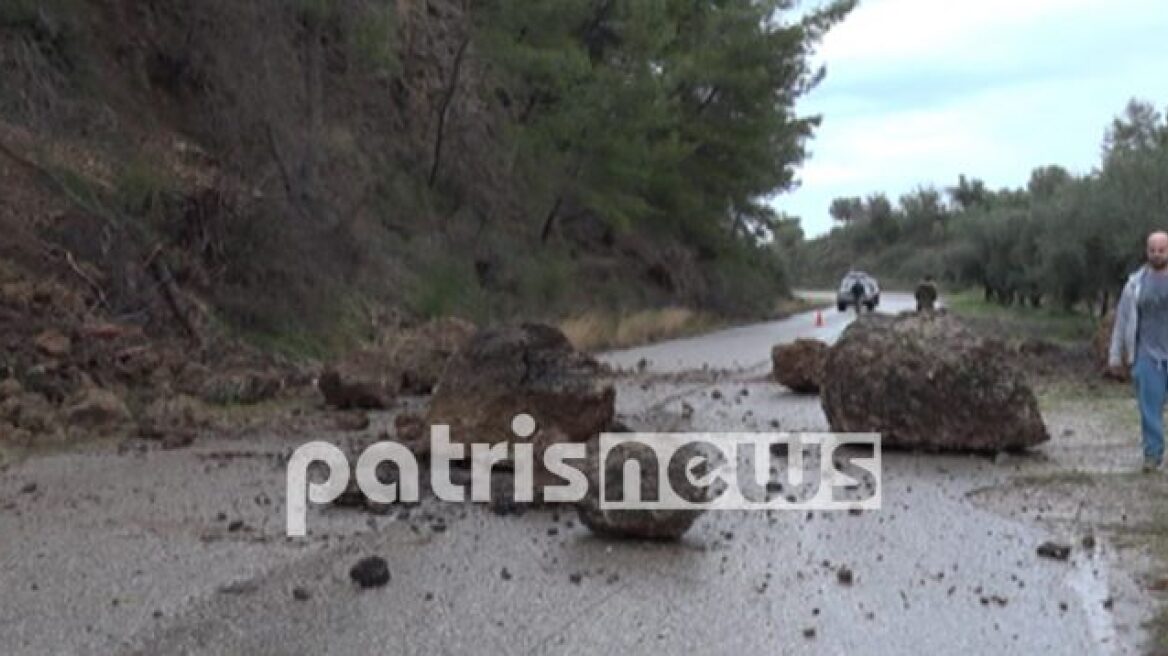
{"points": [[919, 91]]}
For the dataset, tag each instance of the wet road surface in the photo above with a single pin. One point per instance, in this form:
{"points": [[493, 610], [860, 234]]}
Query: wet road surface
{"points": [[183, 552]]}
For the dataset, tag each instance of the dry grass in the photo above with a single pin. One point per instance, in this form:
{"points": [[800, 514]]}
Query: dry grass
{"points": [[596, 331]]}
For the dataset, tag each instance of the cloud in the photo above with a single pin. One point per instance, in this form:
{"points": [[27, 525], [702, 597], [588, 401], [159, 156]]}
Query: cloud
{"points": [[920, 91]]}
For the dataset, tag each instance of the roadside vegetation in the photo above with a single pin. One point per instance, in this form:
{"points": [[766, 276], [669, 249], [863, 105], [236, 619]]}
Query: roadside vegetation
{"points": [[1064, 240], [302, 166]]}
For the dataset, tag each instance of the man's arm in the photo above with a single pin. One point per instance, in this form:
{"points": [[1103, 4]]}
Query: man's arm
{"points": [[1115, 354]]}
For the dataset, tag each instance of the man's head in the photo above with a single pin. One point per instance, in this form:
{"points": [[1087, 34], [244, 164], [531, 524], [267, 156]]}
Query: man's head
{"points": [[1158, 250]]}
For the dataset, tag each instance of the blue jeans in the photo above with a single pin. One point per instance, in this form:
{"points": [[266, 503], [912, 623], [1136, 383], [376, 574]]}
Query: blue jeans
{"points": [[1151, 382]]}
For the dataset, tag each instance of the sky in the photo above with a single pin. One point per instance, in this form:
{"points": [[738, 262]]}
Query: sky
{"points": [[920, 91]]}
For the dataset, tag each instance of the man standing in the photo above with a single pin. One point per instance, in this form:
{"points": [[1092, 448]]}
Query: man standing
{"points": [[926, 295], [857, 294], [1140, 337]]}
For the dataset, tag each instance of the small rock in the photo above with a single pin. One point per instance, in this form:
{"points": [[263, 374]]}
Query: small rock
{"points": [[177, 440], [29, 488], [845, 576], [809, 633], [53, 343], [235, 526], [351, 421], [96, 408], [10, 387], [370, 572], [1054, 551], [505, 574], [300, 594]]}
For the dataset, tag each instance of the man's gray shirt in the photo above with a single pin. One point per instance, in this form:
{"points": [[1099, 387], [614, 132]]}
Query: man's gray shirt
{"points": [[1153, 326]]}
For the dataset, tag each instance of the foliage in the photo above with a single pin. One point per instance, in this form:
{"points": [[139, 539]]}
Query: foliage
{"points": [[1064, 238]]}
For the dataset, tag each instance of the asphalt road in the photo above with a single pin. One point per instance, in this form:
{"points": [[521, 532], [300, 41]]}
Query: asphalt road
{"points": [[748, 347], [183, 552]]}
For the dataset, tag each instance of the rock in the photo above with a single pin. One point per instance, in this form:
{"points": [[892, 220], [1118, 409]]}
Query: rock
{"points": [[363, 380], [96, 409], [30, 412], [177, 440], [351, 421], [799, 365], [370, 572], [411, 430], [301, 594], [926, 381], [109, 331], [240, 387], [408, 362], [528, 369], [1054, 551], [653, 524], [53, 343], [174, 417], [10, 387], [419, 356]]}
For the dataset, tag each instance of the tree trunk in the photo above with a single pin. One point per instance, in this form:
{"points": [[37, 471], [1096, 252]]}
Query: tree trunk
{"points": [[550, 220], [444, 109]]}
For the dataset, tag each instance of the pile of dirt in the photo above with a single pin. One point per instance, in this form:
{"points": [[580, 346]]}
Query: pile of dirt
{"points": [[69, 369]]}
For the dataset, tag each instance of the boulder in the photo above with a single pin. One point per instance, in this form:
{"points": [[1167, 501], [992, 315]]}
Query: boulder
{"points": [[527, 369], [362, 380], [926, 381], [96, 409], [408, 362], [420, 355], [799, 365], [647, 524]]}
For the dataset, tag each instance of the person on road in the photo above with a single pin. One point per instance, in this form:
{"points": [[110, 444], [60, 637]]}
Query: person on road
{"points": [[1140, 337], [858, 294], [926, 294]]}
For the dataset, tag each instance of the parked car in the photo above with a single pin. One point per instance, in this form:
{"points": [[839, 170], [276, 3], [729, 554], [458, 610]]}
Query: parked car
{"points": [[870, 298]]}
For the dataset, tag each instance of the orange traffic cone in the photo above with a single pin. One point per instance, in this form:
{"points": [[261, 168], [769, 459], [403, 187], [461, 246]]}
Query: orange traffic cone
{"points": [[818, 318]]}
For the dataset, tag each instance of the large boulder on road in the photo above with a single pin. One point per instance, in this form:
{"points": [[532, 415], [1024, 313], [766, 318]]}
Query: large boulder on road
{"points": [[799, 365], [647, 523], [926, 381], [527, 369]]}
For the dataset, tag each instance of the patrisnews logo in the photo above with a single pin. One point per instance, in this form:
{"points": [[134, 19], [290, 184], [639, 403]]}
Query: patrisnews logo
{"points": [[668, 471], [741, 471]]}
